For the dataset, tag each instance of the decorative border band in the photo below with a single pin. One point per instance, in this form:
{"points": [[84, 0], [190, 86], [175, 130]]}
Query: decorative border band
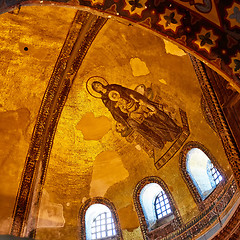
{"points": [[177, 144], [222, 127], [207, 217], [65, 70]]}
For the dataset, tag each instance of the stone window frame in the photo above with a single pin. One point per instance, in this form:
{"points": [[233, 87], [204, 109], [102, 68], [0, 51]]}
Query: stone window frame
{"points": [[136, 199], [82, 213], [202, 204]]}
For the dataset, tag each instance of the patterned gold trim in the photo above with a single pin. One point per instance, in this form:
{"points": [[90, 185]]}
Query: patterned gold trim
{"points": [[177, 144], [209, 217], [231, 230], [83, 31], [223, 130], [207, 114]]}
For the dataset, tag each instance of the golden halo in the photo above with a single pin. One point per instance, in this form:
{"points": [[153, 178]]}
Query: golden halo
{"points": [[114, 95], [89, 83]]}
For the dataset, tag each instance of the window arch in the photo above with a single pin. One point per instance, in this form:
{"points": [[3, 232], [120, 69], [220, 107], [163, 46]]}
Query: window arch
{"points": [[201, 172], [98, 220], [155, 207], [155, 203]]}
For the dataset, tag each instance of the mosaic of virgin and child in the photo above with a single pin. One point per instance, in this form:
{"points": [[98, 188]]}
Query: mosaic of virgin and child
{"points": [[135, 112]]}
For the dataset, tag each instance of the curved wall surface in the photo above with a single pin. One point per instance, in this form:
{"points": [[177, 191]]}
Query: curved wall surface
{"points": [[208, 29]]}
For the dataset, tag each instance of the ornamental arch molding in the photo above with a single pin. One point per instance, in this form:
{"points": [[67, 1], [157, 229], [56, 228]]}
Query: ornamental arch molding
{"points": [[82, 214], [175, 224]]}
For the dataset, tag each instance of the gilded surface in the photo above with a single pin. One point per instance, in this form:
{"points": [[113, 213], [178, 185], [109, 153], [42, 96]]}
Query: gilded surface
{"points": [[209, 29], [30, 44], [82, 32], [72, 173], [89, 157]]}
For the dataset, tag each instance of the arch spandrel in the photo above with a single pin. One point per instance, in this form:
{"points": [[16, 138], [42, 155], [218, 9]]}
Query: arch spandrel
{"points": [[207, 30]]}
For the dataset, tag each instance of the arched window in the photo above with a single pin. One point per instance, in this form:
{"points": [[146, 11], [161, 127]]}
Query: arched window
{"points": [[200, 171], [99, 220], [155, 204], [204, 174], [214, 175], [155, 207], [162, 206]]}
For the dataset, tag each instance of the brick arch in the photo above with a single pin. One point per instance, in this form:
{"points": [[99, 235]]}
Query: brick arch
{"points": [[84, 208], [202, 204], [136, 198]]}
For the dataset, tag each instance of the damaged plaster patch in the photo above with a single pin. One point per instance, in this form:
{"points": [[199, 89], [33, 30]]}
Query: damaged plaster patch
{"points": [[13, 125], [163, 81], [50, 214], [139, 68], [128, 218], [173, 49], [135, 234], [93, 128], [108, 169], [138, 147], [5, 225]]}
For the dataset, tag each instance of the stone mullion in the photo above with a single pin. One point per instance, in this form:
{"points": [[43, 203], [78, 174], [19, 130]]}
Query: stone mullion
{"points": [[85, 27]]}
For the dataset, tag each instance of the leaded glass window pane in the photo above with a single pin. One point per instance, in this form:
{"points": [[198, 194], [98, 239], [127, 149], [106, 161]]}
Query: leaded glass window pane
{"points": [[162, 206], [103, 226], [217, 178]]}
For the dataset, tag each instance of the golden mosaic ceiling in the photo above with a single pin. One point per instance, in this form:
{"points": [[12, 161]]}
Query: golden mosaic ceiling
{"points": [[90, 156]]}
